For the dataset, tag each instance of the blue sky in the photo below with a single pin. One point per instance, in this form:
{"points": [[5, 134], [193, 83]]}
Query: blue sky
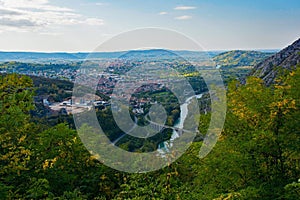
{"points": [[81, 25]]}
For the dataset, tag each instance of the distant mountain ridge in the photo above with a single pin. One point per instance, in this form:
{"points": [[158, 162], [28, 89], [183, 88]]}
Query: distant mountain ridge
{"points": [[285, 59], [34, 56]]}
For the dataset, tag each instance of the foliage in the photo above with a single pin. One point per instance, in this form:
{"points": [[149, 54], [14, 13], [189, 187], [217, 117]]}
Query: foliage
{"points": [[16, 101], [292, 191], [257, 156]]}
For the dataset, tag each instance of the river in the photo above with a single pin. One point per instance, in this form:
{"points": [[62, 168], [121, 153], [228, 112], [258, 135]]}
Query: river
{"points": [[164, 146]]}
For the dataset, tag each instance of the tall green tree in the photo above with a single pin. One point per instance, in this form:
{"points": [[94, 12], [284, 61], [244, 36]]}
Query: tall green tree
{"points": [[16, 100]]}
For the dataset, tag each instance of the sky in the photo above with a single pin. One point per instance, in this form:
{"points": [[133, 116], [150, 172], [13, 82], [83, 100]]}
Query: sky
{"points": [[82, 25]]}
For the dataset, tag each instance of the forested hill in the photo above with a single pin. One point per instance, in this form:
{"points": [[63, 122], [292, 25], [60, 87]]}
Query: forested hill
{"points": [[285, 59], [241, 58]]}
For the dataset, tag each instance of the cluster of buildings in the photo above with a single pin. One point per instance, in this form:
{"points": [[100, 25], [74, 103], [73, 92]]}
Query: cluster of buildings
{"points": [[76, 105]]}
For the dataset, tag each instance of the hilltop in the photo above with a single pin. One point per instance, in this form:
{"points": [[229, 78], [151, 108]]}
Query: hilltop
{"points": [[240, 58]]}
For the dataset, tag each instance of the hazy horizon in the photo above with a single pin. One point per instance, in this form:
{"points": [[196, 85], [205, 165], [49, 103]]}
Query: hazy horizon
{"points": [[74, 52]]}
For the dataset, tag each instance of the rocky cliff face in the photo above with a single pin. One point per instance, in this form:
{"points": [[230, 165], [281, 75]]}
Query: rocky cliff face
{"points": [[287, 58]]}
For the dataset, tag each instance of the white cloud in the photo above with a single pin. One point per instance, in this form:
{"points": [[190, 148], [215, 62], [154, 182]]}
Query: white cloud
{"points": [[51, 33], [33, 4], [100, 4], [183, 17], [36, 15], [94, 21], [163, 13], [94, 4], [185, 8]]}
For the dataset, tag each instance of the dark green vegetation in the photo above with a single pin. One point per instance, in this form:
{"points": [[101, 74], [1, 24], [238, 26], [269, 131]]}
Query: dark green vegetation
{"points": [[21, 67], [57, 90], [257, 156]]}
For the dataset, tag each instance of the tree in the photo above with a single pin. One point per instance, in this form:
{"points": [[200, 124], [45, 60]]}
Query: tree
{"points": [[16, 101], [262, 124]]}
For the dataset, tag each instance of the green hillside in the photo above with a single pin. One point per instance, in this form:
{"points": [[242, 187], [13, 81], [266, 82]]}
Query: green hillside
{"points": [[238, 64], [240, 58]]}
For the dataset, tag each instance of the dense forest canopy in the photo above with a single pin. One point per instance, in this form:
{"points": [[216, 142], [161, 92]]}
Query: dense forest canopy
{"points": [[257, 156]]}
